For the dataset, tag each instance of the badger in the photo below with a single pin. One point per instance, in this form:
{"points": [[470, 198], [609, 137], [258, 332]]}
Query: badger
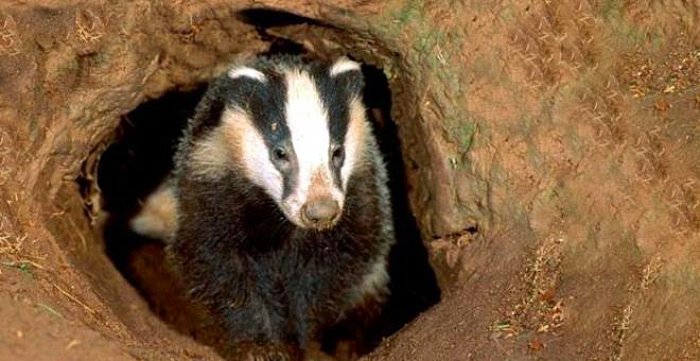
{"points": [[157, 216], [277, 214]]}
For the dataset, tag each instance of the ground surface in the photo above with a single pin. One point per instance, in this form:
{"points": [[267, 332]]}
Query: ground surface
{"points": [[551, 147]]}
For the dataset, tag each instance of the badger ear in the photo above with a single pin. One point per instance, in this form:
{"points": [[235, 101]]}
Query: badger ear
{"points": [[246, 72], [348, 72], [344, 65]]}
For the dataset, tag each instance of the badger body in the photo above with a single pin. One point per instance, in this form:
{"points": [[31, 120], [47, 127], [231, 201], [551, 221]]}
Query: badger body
{"points": [[283, 213]]}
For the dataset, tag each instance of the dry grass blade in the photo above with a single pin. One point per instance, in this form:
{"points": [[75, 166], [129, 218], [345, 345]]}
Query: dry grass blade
{"points": [[75, 299], [12, 250]]}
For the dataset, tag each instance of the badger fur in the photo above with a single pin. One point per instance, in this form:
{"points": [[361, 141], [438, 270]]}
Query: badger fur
{"points": [[277, 215], [157, 216]]}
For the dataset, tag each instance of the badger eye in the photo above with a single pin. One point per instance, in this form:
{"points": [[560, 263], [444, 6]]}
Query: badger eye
{"points": [[280, 155], [338, 156]]}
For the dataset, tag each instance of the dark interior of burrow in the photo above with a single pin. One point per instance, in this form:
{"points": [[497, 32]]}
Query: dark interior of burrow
{"points": [[140, 157]]}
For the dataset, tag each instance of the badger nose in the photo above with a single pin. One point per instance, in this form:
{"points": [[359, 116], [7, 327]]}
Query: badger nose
{"points": [[321, 212]]}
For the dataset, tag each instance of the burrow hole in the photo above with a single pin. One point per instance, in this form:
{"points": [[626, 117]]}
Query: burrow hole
{"points": [[140, 157]]}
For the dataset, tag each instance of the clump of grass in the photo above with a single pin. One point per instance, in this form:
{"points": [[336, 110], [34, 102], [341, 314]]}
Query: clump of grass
{"points": [[14, 255], [23, 267], [623, 322], [12, 252], [621, 331], [540, 310]]}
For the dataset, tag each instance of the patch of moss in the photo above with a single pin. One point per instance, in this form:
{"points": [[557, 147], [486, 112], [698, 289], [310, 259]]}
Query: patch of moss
{"points": [[429, 47], [465, 132], [626, 33], [410, 11]]}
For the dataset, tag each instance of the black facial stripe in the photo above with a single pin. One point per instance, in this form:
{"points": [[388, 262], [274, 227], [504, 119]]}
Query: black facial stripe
{"points": [[290, 177], [336, 93], [265, 104], [335, 98]]}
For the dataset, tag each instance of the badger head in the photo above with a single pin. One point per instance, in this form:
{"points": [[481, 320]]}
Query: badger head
{"points": [[297, 130]]}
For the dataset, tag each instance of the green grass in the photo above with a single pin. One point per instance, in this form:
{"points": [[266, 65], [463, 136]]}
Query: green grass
{"points": [[410, 11], [23, 267]]}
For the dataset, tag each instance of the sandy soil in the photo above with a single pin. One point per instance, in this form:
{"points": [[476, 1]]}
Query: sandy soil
{"points": [[551, 152]]}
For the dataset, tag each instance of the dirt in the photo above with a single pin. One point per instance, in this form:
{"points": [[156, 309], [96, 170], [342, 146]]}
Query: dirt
{"points": [[551, 153]]}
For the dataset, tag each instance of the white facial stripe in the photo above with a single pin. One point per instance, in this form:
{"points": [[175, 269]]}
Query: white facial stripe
{"points": [[343, 65], [307, 121], [237, 142], [251, 152], [355, 139], [247, 73]]}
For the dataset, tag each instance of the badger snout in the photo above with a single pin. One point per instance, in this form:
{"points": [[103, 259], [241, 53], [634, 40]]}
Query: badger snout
{"points": [[320, 213]]}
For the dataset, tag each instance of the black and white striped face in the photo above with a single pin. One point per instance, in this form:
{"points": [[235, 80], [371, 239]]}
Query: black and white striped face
{"points": [[296, 130]]}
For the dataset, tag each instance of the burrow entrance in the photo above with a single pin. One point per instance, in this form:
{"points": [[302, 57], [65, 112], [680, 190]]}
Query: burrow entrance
{"points": [[140, 157]]}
